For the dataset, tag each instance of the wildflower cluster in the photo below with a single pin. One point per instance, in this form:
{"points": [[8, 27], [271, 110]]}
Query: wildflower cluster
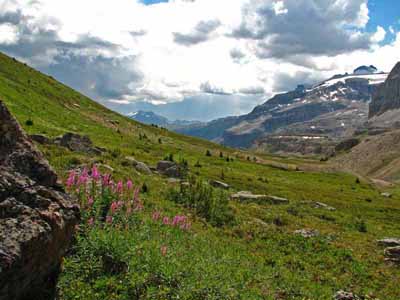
{"points": [[105, 202], [179, 221]]}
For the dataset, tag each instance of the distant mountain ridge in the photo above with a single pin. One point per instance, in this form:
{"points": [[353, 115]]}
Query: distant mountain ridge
{"points": [[151, 118], [328, 112]]}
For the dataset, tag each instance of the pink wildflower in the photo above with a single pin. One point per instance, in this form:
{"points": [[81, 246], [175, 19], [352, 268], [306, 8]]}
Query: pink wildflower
{"points": [[186, 226], [109, 219], [71, 179], [114, 207], [90, 201], [90, 221], [120, 187], [82, 180], [129, 185], [178, 220], [156, 216], [166, 221], [106, 179], [164, 250], [95, 173]]}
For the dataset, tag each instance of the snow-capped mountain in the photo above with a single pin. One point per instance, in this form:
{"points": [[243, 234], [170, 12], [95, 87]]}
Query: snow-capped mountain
{"points": [[151, 118], [324, 114]]}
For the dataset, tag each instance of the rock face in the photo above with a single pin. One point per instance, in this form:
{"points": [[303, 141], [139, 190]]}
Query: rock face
{"points": [[37, 218], [387, 97]]}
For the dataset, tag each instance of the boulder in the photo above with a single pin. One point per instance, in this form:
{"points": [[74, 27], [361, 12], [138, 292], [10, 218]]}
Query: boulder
{"points": [[245, 196], [40, 138], [78, 143], [219, 184], [389, 242], [164, 165], [342, 295], [138, 165], [307, 233], [142, 168], [169, 169], [393, 254], [37, 218]]}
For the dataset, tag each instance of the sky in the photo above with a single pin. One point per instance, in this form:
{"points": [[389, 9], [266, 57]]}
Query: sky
{"points": [[198, 59]]}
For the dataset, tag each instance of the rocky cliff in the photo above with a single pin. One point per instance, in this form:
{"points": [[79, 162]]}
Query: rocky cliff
{"points": [[37, 218], [387, 97]]}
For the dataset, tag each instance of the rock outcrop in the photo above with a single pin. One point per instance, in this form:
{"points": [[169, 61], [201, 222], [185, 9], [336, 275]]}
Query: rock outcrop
{"points": [[37, 219], [387, 97], [78, 143], [246, 196]]}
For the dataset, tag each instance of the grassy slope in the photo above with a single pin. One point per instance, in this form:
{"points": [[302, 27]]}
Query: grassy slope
{"points": [[254, 259]]}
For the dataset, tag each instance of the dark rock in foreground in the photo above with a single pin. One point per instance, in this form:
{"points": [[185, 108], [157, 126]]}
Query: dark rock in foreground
{"points": [[37, 218]]}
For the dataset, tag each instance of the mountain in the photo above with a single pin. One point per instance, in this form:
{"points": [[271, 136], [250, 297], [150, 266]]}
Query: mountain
{"points": [[378, 153], [320, 240], [151, 118], [325, 113], [387, 96]]}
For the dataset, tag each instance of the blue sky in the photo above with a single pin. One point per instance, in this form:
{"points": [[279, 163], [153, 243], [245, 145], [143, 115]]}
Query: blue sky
{"points": [[149, 2], [384, 13]]}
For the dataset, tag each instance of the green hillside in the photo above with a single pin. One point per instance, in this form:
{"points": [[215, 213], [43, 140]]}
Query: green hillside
{"points": [[232, 250]]}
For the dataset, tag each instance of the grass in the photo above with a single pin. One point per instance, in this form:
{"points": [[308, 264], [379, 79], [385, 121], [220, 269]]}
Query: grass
{"points": [[255, 257]]}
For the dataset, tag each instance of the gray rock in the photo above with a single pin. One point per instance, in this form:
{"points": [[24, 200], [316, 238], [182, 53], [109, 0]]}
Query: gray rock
{"points": [[164, 165], [323, 206], [142, 168], [342, 295], [307, 233], [37, 219], [393, 254], [173, 171], [219, 184], [389, 242], [78, 143], [386, 195], [131, 160], [40, 138], [169, 169], [249, 196]]}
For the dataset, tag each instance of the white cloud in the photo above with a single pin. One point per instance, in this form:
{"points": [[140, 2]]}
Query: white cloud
{"points": [[126, 51], [279, 8], [379, 35], [8, 34]]}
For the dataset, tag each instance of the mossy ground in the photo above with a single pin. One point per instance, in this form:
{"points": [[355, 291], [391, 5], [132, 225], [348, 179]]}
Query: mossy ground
{"points": [[258, 257]]}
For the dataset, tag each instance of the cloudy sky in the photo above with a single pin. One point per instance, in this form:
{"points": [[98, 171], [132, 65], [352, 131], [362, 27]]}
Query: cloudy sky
{"points": [[197, 59]]}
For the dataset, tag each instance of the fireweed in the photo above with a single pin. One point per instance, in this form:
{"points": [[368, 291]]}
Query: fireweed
{"points": [[108, 204]]}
